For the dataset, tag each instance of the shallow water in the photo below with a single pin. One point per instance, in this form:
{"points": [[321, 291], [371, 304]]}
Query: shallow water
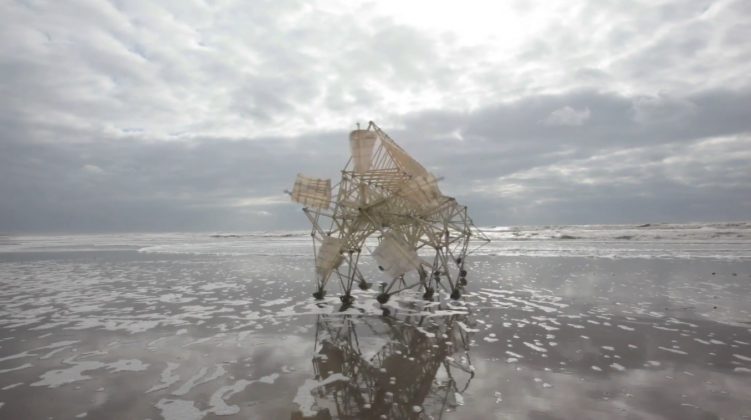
{"points": [[98, 329]]}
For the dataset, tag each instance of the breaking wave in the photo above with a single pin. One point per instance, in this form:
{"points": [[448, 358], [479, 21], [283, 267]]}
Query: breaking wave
{"points": [[726, 241]]}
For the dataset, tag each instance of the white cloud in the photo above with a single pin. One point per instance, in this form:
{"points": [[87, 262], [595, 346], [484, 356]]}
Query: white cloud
{"points": [[568, 116], [185, 70], [722, 163], [264, 201], [92, 169]]}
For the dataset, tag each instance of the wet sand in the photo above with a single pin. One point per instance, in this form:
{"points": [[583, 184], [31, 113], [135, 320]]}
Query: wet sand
{"points": [[122, 334]]}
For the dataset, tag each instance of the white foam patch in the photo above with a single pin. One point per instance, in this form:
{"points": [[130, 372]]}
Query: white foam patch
{"points": [[534, 347], [11, 386], [167, 377], [217, 400], [744, 358], [617, 366], [17, 356], [304, 397], [52, 353], [676, 321], [196, 380], [179, 410], [676, 351], [23, 366], [55, 378], [547, 327], [625, 327], [597, 368], [665, 328]]}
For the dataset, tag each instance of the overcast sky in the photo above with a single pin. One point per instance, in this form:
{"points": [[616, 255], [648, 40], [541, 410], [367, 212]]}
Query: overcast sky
{"points": [[196, 115]]}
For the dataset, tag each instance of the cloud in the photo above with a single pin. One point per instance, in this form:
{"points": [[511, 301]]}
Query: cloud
{"points": [[192, 115], [568, 116], [505, 165], [659, 109], [92, 169]]}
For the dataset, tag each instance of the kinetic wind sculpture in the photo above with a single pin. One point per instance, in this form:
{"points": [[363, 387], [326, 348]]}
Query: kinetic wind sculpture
{"points": [[386, 194]]}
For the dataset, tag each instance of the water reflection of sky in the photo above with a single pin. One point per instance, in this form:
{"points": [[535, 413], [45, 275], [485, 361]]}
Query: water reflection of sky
{"points": [[144, 336]]}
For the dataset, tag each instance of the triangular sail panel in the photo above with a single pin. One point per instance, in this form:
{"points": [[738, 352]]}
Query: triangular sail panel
{"points": [[422, 192], [402, 159]]}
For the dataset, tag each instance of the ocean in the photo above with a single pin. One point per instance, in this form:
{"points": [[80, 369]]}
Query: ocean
{"points": [[647, 321]]}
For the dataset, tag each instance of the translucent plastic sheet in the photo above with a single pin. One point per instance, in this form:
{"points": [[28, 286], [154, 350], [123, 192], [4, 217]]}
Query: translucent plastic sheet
{"points": [[312, 192]]}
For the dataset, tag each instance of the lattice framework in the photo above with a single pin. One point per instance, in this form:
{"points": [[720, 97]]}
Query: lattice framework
{"points": [[387, 195]]}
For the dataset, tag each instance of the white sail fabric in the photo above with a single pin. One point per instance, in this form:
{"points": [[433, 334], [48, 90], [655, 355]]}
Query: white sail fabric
{"points": [[403, 160], [312, 192], [422, 192], [394, 256], [361, 143], [329, 255]]}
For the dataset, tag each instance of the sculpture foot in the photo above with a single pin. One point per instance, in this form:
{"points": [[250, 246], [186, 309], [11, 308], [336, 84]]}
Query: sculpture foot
{"points": [[347, 299]]}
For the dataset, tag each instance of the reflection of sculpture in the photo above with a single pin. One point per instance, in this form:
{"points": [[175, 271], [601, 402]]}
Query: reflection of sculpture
{"points": [[418, 368], [385, 193]]}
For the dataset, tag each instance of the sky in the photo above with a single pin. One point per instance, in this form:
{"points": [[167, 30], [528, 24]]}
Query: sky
{"points": [[141, 116]]}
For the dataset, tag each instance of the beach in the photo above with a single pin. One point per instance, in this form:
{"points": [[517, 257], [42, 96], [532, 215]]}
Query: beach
{"points": [[630, 321]]}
